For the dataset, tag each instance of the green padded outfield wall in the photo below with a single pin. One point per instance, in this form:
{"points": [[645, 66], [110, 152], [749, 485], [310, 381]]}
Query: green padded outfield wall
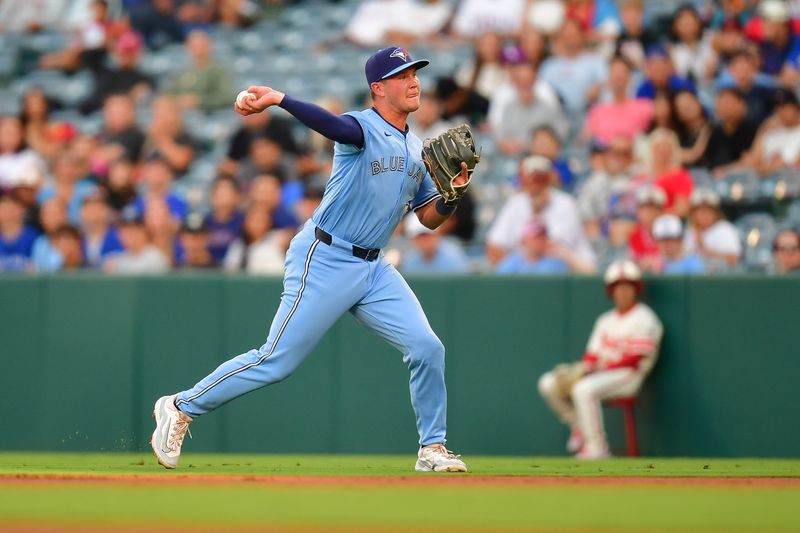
{"points": [[84, 357]]}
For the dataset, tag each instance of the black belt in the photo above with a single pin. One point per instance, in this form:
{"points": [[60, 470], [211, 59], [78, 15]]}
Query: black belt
{"points": [[368, 254]]}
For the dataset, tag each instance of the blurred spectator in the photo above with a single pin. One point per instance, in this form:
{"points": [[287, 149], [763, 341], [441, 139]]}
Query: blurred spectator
{"points": [[534, 47], [157, 179], [663, 111], [156, 20], [224, 223], [576, 73], [484, 73], [462, 223], [87, 47], [663, 161], [519, 116], [636, 36], [162, 227], [692, 126], [40, 133], [779, 47], [659, 75], [232, 13], [27, 185], [728, 21], [779, 147], [264, 124], [474, 17], [731, 136], [691, 51], [743, 74], [622, 116], [193, 251], [100, 238], [402, 22], [16, 239], [123, 77], [621, 351], [266, 157], [265, 192], [260, 249], [605, 187], [431, 253], [786, 251], [166, 137], [668, 233], [121, 183], [460, 104], [312, 197], [44, 256], [139, 256], [595, 17], [539, 255], [537, 198], [69, 185], [15, 156], [67, 242], [544, 17], [427, 121], [120, 134], [710, 235], [546, 142], [203, 84], [642, 245]]}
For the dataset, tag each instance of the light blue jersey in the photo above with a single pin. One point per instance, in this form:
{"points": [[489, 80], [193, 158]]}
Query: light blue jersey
{"points": [[371, 189], [325, 277]]}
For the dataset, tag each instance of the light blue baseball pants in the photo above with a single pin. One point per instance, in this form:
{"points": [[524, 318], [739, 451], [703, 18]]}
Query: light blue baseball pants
{"points": [[321, 283]]}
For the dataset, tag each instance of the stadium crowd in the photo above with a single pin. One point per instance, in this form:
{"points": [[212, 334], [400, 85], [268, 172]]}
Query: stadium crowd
{"points": [[667, 133]]}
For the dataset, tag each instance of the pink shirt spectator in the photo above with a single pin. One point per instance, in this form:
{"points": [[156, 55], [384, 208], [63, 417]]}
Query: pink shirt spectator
{"points": [[628, 119]]}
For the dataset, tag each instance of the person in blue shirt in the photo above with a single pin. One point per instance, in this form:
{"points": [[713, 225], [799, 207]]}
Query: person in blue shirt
{"points": [[335, 263], [157, 177], [100, 238], [534, 257], [668, 233], [431, 254], [660, 75], [16, 239], [224, 223]]}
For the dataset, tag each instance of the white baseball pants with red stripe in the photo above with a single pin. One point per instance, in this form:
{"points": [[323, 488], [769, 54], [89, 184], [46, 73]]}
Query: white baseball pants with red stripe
{"points": [[583, 410]]}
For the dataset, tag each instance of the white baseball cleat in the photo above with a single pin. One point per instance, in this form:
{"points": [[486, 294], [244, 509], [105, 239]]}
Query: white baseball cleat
{"points": [[171, 428], [437, 458], [575, 442], [590, 454]]}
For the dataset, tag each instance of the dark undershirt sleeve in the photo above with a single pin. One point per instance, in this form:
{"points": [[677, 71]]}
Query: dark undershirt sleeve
{"points": [[340, 128]]}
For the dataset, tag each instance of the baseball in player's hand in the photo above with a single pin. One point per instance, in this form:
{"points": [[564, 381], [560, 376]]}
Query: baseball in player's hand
{"points": [[262, 98]]}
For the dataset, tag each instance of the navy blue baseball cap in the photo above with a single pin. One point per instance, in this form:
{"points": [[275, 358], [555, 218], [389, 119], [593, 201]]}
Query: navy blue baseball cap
{"points": [[389, 61]]}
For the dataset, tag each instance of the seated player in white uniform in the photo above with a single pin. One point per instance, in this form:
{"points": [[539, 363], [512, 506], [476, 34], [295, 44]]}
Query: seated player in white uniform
{"points": [[621, 352]]}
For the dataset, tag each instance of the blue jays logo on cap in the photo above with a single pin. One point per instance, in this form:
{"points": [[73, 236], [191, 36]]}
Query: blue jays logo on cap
{"points": [[389, 61]]}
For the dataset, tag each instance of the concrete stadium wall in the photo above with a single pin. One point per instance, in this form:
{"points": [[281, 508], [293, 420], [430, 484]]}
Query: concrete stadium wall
{"points": [[84, 357]]}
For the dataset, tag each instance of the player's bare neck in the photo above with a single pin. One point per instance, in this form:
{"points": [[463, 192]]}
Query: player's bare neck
{"points": [[398, 119]]}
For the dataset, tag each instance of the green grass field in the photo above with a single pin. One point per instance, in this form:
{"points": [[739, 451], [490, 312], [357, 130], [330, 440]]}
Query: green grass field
{"points": [[382, 493]]}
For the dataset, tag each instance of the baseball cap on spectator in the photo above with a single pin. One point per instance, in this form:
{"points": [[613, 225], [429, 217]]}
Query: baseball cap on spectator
{"points": [[96, 194], [703, 196], [537, 164], [784, 96], [667, 227], [513, 55], [28, 175], [130, 216], [650, 195], [656, 50], [387, 62], [534, 228], [415, 228], [194, 223], [773, 11], [128, 43]]}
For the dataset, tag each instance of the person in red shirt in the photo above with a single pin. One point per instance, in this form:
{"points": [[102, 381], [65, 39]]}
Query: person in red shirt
{"points": [[664, 170], [642, 246]]}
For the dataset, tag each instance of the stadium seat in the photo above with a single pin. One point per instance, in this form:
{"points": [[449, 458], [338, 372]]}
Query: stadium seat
{"points": [[627, 404], [757, 231]]}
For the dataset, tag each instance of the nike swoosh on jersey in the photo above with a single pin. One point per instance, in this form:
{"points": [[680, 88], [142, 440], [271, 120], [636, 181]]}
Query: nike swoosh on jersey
{"points": [[387, 133]]}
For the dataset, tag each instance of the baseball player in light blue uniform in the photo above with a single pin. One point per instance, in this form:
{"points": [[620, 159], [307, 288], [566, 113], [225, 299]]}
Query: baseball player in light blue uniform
{"points": [[335, 264]]}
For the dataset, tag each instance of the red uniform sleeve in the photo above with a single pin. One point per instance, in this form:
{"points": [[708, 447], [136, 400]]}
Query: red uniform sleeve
{"points": [[590, 359]]}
